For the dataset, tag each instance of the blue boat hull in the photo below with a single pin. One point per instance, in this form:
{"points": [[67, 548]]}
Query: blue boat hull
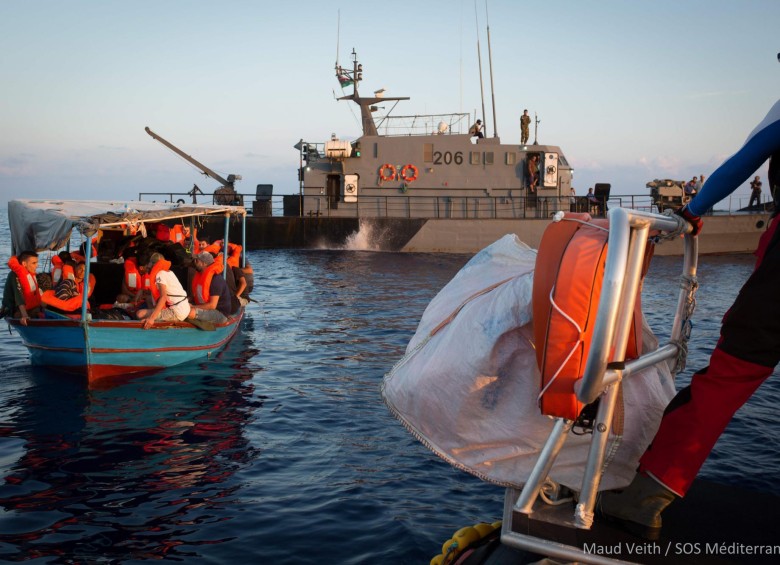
{"points": [[106, 348]]}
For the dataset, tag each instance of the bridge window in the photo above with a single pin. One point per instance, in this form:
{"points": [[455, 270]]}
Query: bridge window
{"points": [[428, 153], [488, 157], [511, 158], [474, 157]]}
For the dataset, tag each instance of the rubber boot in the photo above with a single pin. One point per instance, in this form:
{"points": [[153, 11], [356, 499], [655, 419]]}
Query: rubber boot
{"points": [[638, 507]]}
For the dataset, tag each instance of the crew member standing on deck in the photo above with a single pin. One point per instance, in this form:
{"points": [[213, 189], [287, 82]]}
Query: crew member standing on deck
{"points": [[744, 356], [755, 192], [533, 172], [476, 129], [525, 122]]}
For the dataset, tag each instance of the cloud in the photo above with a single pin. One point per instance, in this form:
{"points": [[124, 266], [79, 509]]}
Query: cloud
{"points": [[716, 93], [17, 165], [113, 148], [665, 163]]}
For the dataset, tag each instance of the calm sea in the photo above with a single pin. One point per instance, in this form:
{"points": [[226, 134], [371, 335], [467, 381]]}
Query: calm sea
{"points": [[281, 450]]}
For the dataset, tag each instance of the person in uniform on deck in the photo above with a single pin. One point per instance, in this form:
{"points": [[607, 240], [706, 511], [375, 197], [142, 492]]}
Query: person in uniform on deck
{"points": [[525, 121], [745, 355], [755, 192]]}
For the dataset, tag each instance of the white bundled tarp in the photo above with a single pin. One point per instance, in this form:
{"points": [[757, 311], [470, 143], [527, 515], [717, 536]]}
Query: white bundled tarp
{"points": [[468, 385]]}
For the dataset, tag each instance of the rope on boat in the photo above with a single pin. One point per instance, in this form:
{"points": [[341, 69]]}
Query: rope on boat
{"points": [[681, 227], [561, 216], [583, 517], [576, 343], [550, 491], [690, 284]]}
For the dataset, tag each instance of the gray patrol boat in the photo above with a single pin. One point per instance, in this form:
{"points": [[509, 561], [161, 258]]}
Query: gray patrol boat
{"points": [[425, 183], [411, 181]]}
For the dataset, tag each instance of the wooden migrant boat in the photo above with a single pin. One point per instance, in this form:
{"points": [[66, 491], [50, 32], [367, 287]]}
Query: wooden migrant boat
{"points": [[100, 348]]}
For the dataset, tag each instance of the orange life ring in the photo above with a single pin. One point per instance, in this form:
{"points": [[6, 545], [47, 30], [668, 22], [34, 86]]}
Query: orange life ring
{"points": [[568, 278], [413, 176], [384, 168]]}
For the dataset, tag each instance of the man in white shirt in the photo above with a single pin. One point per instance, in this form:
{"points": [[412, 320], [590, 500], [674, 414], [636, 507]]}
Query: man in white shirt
{"points": [[172, 304]]}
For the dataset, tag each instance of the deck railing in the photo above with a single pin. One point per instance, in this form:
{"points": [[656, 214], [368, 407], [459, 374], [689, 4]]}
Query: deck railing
{"points": [[442, 207]]}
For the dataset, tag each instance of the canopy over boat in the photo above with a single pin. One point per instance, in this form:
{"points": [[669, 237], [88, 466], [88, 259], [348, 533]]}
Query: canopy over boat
{"points": [[47, 224]]}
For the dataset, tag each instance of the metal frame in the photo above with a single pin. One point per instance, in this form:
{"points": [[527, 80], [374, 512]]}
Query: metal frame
{"points": [[628, 235]]}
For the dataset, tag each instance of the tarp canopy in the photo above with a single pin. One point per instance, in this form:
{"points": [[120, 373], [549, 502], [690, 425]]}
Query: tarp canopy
{"points": [[41, 225]]}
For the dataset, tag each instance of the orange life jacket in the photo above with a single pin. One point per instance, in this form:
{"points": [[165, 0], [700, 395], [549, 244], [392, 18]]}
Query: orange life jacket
{"points": [[129, 229], [71, 304], [133, 278], [567, 286], [202, 281], [30, 291], [234, 254], [214, 248], [161, 265], [56, 269], [67, 272], [176, 234], [80, 286]]}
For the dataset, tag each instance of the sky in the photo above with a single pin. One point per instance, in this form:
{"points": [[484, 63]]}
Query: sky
{"points": [[631, 91]]}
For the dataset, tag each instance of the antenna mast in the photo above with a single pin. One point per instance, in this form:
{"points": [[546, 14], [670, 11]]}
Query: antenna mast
{"points": [[537, 121], [490, 62], [479, 58], [338, 35]]}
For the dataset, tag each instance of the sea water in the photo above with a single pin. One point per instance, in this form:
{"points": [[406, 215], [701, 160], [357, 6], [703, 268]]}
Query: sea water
{"points": [[281, 450]]}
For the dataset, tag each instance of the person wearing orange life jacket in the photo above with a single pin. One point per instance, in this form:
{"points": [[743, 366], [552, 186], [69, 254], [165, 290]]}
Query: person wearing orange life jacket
{"points": [[133, 282], [21, 296], [69, 287], [213, 248], [233, 251], [177, 234], [57, 263], [202, 245], [68, 294], [170, 298], [209, 291]]}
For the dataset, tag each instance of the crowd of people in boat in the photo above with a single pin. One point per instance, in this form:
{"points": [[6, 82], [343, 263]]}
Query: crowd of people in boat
{"points": [[169, 276]]}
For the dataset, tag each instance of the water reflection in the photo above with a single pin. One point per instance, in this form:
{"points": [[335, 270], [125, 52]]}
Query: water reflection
{"points": [[289, 455], [132, 472]]}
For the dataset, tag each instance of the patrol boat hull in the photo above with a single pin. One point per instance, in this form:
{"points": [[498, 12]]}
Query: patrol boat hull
{"points": [[723, 234]]}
